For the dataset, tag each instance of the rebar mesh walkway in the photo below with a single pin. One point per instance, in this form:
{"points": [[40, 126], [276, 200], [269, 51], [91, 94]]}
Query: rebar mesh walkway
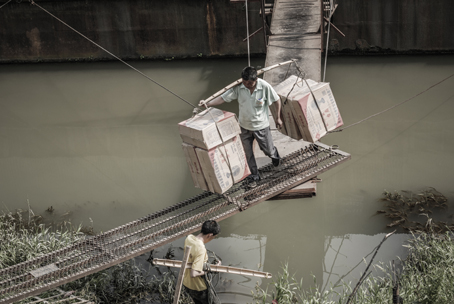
{"points": [[157, 229]]}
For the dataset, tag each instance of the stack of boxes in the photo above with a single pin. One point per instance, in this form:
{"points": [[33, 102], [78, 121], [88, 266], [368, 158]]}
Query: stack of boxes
{"points": [[305, 117], [213, 150]]}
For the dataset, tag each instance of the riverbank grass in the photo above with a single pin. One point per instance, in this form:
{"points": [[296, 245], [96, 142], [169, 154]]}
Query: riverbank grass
{"points": [[425, 276]]}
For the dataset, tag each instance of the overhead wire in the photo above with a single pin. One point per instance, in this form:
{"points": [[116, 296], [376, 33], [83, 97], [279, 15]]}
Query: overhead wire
{"points": [[5, 4], [394, 106], [113, 55]]}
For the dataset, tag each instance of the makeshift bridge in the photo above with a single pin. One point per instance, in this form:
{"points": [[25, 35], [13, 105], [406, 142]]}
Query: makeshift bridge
{"points": [[143, 235]]}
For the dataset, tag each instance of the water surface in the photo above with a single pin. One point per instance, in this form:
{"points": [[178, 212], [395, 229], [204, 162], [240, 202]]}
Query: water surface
{"points": [[101, 141]]}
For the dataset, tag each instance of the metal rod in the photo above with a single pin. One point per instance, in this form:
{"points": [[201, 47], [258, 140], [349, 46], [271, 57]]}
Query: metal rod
{"points": [[247, 31], [262, 3], [334, 27], [253, 34]]}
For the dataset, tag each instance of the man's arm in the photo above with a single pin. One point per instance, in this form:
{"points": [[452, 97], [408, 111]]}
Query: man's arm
{"points": [[195, 273], [215, 102], [279, 120]]}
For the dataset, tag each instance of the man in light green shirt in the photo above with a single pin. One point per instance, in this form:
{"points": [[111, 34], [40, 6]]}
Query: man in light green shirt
{"points": [[254, 97]]}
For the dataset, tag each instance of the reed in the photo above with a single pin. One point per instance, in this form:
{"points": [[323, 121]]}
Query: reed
{"points": [[24, 236], [425, 276], [412, 211]]}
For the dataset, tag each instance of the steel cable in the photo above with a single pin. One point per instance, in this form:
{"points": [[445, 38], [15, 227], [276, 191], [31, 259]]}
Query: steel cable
{"points": [[394, 106], [5, 4], [111, 54]]}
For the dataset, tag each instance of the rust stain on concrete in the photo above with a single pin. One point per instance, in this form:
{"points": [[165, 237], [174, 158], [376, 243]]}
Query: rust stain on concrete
{"points": [[211, 23], [35, 41]]}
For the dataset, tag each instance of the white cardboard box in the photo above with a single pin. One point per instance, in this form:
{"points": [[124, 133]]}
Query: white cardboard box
{"points": [[209, 128], [217, 169], [314, 118], [237, 159], [194, 167]]}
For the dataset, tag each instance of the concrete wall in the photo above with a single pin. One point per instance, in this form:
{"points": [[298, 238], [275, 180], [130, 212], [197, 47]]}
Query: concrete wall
{"points": [[394, 26], [134, 29], [127, 28]]}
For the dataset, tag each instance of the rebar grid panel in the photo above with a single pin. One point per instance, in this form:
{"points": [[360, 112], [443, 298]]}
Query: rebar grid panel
{"points": [[157, 229], [57, 296]]}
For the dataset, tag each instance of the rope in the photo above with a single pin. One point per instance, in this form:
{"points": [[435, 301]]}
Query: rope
{"points": [[376, 114], [247, 32], [302, 75], [5, 3], [110, 53], [225, 156]]}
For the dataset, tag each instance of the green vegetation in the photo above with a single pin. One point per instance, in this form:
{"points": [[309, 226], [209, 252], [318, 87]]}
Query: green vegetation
{"points": [[426, 276], [412, 211], [25, 236]]}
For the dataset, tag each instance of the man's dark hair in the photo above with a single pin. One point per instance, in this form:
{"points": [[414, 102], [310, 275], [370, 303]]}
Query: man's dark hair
{"points": [[249, 73], [211, 227]]}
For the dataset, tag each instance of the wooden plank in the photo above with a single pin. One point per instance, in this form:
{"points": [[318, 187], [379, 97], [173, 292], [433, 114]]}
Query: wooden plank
{"points": [[308, 189], [179, 284], [296, 34], [296, 17], [305, 49]]}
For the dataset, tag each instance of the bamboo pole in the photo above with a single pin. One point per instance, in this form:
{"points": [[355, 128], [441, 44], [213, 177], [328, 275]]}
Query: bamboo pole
{"points": [[239, 81], [183, 266], [216, 268]]}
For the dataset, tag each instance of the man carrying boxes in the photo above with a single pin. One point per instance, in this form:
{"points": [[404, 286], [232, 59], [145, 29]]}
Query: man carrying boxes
{"points": [[254, 97]]}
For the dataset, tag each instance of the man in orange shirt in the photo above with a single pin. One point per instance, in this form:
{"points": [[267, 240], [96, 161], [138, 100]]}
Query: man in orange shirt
{"points": [[193, 279]]}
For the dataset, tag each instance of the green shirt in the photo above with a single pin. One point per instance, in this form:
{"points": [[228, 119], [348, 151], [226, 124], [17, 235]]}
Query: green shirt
{"points": [[253, 114]]}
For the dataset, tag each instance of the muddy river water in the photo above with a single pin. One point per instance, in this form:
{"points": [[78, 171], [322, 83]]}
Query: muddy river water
{"points": [[101, 142]]}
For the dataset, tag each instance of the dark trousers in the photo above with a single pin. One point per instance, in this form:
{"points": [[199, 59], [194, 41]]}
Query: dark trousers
{"points": [[199, 297], [265, 141], [202, 297]]}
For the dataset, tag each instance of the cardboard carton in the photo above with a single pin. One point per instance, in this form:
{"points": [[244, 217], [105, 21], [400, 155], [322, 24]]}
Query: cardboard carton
{"points": [[209, 128], [194, 166], [273, 110], [291, 125], [217, 169], [313, 117], [237, 159]]}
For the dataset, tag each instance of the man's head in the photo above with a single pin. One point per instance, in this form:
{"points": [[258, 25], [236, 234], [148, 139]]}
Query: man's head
{"points": [[209, 230], [249, 76]]}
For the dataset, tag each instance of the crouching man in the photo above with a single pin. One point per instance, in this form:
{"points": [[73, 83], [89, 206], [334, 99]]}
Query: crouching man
{"points": [[194, 279]]}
